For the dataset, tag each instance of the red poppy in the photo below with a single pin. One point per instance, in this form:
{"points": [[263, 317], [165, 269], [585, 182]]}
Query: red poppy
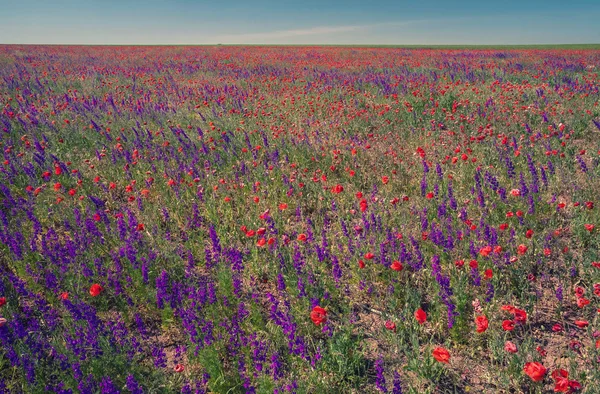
{"points": [[283, 206], [390, 325], [361, 264], [369, 256], [179, 368], [485, 251], [318, 315], [488, 274], [561, 378], [589, 227], [510, 347], [529, 234], [581, 302], [337, 189], [385, 179], [95, 290], [581, 323], [2, 301], [397, 266], [421, 316], [3, 321], [64, 295], [301, 237], [535, 370], [522, 249], [520, 315], [442, 355], [481, 323]]}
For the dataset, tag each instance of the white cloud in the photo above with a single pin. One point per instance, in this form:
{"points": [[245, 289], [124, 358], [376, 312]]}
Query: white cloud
{"points": [[275, 35]]}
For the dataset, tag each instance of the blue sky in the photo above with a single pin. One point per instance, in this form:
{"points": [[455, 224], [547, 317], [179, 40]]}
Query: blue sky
{"points": [[299, 22]]}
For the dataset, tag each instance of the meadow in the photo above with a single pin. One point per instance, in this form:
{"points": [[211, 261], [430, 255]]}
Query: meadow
{"points": [[233, 219]]}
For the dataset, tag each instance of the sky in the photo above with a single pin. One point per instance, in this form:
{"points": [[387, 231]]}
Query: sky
{"points": [[342, 22]]}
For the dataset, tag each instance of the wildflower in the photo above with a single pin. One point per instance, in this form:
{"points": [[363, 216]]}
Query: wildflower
{"points": [[2, 301], [508, 325], [421, 316], [396, 266], [581, 323], [481, 323], [179, 368], [318, 315], [510, 347], [535, 370], [95, 290], [520, 315], [390, 325], [442, 355]]}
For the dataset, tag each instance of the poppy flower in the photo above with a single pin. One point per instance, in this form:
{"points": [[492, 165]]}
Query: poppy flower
{"points": [[589, 227], [390, 325], [485, 251], [337, 189], [318, 315], [515, 192], [2, 301], [535, 370], [95, 290], [581, 323], [397, 266], [561, 379], [179, 368], [520, 315], [385, 179], [529, 234], [64, 295], [481, 323], [301, 237], [488, 274], [369, 256], [581, 302], [442, 355], [361, 264], [421, 316], [510, 347], [522, 249], [3, 321], [283, 206]]}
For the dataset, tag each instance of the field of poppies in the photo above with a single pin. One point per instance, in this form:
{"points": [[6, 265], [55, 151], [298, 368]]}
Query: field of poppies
{"points": [[299, 220]]}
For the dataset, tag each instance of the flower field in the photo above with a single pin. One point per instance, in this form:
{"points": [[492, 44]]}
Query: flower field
{"points": [[299, 220]]}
